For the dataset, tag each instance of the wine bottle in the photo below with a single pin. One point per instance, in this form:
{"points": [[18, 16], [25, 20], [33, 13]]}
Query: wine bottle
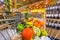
{"points": [[50, 14], [49, 11], [54, 11], [53, 14], [52, 24], [46, 24], [57, 26], [47, 14], [59, 12], [49, 23], [57, 16]]}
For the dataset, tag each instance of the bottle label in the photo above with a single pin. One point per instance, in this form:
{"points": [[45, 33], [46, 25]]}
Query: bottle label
{"points": [[56, 15], [46, 23], [52, 24], [55, 24], [46, 15], [49, 23], [52, 15], [49, 15]]}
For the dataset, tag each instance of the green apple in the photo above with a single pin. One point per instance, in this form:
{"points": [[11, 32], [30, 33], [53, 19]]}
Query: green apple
{"points": [[20, 27]]}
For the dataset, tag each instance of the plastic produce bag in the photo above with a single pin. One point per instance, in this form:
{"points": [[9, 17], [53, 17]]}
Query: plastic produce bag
{"points": [[45, 38], [37, 38]]}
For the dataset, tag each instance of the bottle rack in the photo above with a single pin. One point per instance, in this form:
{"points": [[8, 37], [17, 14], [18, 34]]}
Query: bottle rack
{"points": [[53, 20]]}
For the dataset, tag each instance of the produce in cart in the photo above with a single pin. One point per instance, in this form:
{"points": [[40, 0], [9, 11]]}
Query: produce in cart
{"points": [[32, 30]]}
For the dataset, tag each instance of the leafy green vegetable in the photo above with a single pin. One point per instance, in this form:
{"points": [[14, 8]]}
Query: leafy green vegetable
{"points": [[26, 15]]}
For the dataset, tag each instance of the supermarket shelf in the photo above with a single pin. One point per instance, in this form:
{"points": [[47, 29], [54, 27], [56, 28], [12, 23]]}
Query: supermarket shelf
{"points": [[4, 26], [7, 25], [51, 8], [57, 28], [53, 19], [8, 19]]}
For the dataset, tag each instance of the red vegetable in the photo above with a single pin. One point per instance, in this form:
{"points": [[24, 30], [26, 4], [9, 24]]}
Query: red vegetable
{"points": [[27, 33]]}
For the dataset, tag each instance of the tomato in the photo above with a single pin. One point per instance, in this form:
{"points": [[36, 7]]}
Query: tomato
{"points": [[27, 33]]}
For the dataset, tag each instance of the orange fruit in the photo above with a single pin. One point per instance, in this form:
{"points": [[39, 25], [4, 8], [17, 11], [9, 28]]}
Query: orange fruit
{"points": [[41, 23], [39, 26], [35, 23]]}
